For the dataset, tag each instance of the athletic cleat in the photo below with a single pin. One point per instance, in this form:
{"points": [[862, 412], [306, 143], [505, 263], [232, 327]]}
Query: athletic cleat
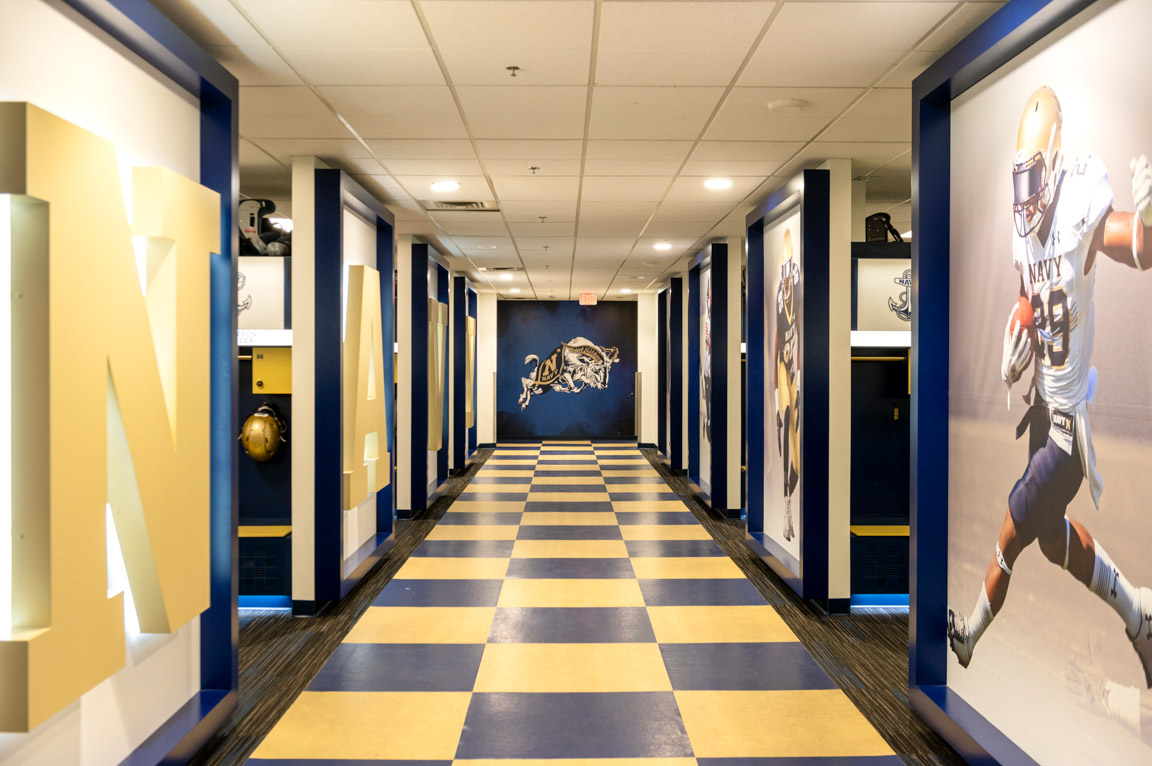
{"points": [[960, 638], [1142, 641], [788, 531]]}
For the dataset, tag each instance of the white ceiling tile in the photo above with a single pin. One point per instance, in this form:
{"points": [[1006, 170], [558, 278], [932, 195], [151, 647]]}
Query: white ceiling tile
{"points": [[860, 129], [284, 149], [745, 115], [624, 188], [898, 187], [493, 245], [866, 157], [629, 210], [547, 188], [631, 167], [251, 156], [422, 149], [367, 66], [651, 113], [524, 111], [670, 26], [387, 100], [210, 22], [406, 210], [454, 217], [263, 182], [524, 167], [746, 151], [630, 229], [535, 246], [370, 126], [280, 101], [677, 229], [338, 23], [966, 18], [638, 150], [449, 169], [818, 68], [257, 126], [644, 245], [500, 24], [586, 260], [900, 166], [692, 211], [520, 210], [884, 103], [724, 168], [384, 188], [542, 229], [909, 69], [472, 188], [254, 64], [528, 150], [494, 227], [670, 67], [563, 66], [361, 167], [600, 244]]}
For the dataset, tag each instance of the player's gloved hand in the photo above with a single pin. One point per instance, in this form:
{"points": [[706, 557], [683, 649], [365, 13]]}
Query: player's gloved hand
{"points": [[1017, 351], [1086, 682], [1142, 188]]}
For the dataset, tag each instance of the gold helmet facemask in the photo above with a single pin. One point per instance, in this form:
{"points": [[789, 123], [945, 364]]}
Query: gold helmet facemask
{"points": [[1036, 168], [786, 264]]}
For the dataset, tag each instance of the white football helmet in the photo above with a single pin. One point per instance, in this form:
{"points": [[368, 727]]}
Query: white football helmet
{"points": [[1036, 168]]}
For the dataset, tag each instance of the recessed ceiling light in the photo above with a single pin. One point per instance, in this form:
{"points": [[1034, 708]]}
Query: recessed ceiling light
{"points": [[625, 289], [662, 246], [514, 290], [505, 277], [485, 247], [787, 105], [650, 263], [445, 186], [718, 183]]}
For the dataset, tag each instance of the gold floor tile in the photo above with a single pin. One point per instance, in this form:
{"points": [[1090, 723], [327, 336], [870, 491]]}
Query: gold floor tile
{"points": [[556, 668], [537, 496], [662, 532], [564, 467], [717, 624], [685, 568], [473, 532], [560, 518], [511, 461], [465, 505], [618, 453], [545, 480], [568, 443], [624, 461], [493, 473], [370, 725], [573, 462], [623, 472], [526, 487], [566, 448], [433, 568], [648, 506], [577, 762], [499, 453], [569, 549], [570, 593], [656, 486], [781, 724], [422, 624]]}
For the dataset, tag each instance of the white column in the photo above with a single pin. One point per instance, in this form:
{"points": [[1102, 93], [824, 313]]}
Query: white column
{"points": [[404, 487], [734, 279], [485, 368], [647, 362]]}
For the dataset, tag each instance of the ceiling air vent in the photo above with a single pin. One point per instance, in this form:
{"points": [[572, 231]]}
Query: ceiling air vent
{"points": [[490, 269], [476, 207]]}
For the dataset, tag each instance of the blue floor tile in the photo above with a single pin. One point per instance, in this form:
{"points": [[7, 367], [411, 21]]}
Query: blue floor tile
{"points": [[656, 517], [672, 548], [549, 506], [573, 488], [565, 569], [483, 549], [460, 517], [552, 625], [656, 482], [700, 593], [338, 762], [494, 496], [498, 480], [564, 452], [743, 667], [589, 725], [497, 467], [400, 668], [568, 532], [842, 760], [583, 472], [643, 496], [440, 593]]}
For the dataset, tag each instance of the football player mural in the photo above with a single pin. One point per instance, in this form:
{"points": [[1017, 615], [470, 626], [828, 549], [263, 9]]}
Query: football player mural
{"points": [[1065, 228], [787, 377], [706, 360]]}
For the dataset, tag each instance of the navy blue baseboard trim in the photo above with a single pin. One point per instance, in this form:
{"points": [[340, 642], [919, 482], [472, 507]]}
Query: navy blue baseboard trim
{"points": [[837, 605], [775, 557], [364, 560], [646, 445], [965, 729], [178, 739], [486, 445], [306, 608]]}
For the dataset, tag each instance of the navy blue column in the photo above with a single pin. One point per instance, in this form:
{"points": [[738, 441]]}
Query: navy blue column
{"points": [[385, 264], [693, 348], [754, 405], [662, 372], [442, 290], [473, 310], [328, 462], [418, 293], [459, 363], [719, 372], [676, 368]]}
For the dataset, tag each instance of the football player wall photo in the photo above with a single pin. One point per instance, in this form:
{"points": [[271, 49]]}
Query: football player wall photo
{"points": [[787, 382], [1050, 399]]}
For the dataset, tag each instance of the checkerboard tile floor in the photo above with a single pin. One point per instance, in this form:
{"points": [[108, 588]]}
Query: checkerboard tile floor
{"points": [[568, 606]]}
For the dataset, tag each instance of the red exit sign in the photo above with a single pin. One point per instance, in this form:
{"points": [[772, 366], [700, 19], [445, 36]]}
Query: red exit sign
{"points": [[587, 299]]}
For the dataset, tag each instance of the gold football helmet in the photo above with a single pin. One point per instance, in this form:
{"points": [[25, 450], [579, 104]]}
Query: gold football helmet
{"points": [[263, 433], [1036, 168], [786, 264]]}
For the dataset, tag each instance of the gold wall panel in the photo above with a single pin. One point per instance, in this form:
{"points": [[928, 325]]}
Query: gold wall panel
{"points": [[367, 463], [110, 400], [272, 370], [437, 332], [469, 371]]}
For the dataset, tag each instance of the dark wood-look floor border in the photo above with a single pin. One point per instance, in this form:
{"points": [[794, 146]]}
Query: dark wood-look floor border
{"points": [[865, 654]]}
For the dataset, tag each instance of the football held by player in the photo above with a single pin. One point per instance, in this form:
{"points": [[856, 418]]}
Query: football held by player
{"points": [[1064, 219]]}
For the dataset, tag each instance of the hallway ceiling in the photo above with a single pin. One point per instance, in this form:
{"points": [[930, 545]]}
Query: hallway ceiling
{"points": [[624, 109]]}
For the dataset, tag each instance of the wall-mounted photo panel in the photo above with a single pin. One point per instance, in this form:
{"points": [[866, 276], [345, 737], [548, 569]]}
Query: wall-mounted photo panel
{"points": [[1032, 524], [883, 299], [704, 423], [262, 302], [117, 197], [462, 385], [566, 370]]}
